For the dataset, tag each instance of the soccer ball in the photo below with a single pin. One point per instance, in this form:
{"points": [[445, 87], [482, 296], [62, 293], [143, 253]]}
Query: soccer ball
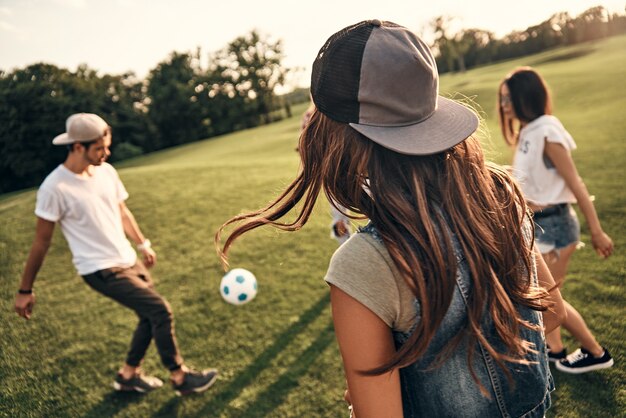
{"points": [[238, 286]]}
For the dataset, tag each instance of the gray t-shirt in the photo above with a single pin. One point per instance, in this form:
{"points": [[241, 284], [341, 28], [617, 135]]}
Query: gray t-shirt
{"points": [[363, 268]]}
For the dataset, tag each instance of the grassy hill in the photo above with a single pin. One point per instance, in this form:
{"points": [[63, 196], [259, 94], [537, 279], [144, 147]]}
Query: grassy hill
{"points": [[277, 355]]}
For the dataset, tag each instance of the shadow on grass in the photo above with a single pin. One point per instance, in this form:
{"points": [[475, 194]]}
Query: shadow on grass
{"points": [[274, 395], [114, 402], [598, 390], [579, 52], [170, 409]]}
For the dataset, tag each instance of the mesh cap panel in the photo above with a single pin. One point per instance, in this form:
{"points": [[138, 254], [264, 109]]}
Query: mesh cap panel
{"points": [[337, 71]]}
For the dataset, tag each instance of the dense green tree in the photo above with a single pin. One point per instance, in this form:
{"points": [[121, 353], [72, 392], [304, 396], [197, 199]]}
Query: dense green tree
{"points": [[173, 107], [444, 43], [591, 24], [124, 103], [475, 47], [251, 68], [36, 101], [179, 102], [617, 24]]}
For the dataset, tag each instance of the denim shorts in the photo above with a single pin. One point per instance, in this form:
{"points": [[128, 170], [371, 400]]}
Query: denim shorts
{"points": [[556, 227]]}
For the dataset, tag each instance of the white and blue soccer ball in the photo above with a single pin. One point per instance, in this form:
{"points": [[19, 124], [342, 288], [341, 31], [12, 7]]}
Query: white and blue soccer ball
{"points": [[238, 286]]}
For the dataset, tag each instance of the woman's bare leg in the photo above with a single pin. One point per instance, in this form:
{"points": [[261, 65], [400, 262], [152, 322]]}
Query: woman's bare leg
{"points": [[574, 323]]}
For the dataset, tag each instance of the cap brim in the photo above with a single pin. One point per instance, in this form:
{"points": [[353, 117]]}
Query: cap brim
{"points": [[450, 124], [62, 139]]}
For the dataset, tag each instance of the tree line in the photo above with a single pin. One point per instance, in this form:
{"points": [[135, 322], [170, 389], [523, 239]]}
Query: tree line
{"points": [[180, 101], [470, 48]]}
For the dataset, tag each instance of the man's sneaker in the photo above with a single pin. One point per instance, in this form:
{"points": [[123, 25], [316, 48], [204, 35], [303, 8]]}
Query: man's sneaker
{"points": [[195, 381], [582, 361], [555, 357], [138, 383]]}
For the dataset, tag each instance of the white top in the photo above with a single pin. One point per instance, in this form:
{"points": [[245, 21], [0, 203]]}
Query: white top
{"points": [[540, 181], [88, 211]]}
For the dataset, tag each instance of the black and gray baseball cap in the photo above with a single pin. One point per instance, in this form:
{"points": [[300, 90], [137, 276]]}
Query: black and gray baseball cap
{"points": [[380, 78]]}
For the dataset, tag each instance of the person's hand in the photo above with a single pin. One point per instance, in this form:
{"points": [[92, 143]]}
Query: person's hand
{"points": [[341, 228], [149, 257], [24, 305], [602, 243]]}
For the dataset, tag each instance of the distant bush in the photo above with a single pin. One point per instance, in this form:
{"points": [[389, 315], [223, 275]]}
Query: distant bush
{"points": [[124, 151]]}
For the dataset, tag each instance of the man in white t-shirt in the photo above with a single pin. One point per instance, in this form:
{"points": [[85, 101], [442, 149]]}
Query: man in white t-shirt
{"points": [[85, 196]]}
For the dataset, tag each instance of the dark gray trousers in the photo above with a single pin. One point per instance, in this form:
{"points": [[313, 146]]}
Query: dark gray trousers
{"points": [[133, 288]]}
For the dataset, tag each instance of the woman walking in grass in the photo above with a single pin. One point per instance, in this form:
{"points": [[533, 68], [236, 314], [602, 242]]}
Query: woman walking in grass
{"points": [[436, 302], [548, 178]]}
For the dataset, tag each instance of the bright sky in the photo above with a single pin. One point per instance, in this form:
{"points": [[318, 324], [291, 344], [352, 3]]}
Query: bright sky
{"points": [[115, 36]]}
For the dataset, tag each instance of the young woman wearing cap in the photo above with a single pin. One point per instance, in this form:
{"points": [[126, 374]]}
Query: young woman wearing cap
{"points": [[436, 302], [549, 180]]}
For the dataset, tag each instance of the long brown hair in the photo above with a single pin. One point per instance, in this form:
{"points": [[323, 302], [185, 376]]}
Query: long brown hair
{"points": [[530, 98], [406, 197]]}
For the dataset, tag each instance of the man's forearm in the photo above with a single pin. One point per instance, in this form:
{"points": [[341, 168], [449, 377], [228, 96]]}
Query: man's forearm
{"points": [[134, 233], [131, 228], [35, 259], [41, 243]]}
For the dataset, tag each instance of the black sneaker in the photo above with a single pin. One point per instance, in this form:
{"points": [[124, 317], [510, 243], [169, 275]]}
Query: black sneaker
{"points": [[138, 383], [555, 357], [195, 381], [582, 361]]}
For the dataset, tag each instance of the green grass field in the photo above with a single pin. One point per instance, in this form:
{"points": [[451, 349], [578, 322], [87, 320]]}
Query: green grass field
{"points": [[277, 355]]}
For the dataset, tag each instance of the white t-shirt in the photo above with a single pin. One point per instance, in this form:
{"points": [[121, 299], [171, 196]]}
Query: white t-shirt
{"points": [[88, 212], [540, 181]]}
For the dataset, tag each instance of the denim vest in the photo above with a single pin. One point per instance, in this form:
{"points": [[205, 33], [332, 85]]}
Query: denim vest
{"points": [[449, 390]]}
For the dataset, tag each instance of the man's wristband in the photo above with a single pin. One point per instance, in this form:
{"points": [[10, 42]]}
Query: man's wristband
{"points": [[144, 245], [25, 291]]}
